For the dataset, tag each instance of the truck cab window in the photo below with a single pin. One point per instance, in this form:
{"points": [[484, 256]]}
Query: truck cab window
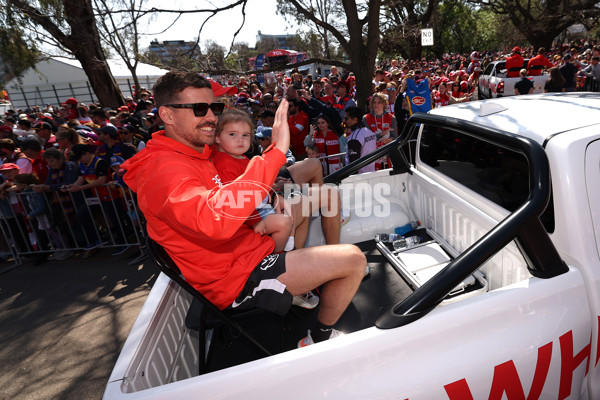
{"points": [[494, 172]]}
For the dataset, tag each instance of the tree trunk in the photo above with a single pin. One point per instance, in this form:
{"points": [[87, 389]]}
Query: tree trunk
{"points": [[363, 50], [83, 41], [541, 39], [85, 45]]}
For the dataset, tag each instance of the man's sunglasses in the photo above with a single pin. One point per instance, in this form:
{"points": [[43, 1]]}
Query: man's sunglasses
{"points": [[200, 109]]}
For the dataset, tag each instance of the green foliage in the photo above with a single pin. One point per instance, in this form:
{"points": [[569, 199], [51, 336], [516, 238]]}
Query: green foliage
{"points": [[456, 26], [17, 52]]}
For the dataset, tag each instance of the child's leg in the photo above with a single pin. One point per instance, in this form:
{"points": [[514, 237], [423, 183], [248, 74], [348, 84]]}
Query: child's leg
{"points": [[279, 227]]}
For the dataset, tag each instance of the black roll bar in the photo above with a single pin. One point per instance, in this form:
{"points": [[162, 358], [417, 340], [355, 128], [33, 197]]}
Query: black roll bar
{"points": [[522, 225]]}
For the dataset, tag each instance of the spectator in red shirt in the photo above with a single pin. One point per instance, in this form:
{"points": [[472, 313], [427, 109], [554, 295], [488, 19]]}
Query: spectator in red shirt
{"points": [[538, 63], [299, 124], [327, 143], [70, 106], [33, 150]]}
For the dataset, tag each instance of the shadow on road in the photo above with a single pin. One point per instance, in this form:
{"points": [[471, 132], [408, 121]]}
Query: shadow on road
{"points": [[64, 323]]}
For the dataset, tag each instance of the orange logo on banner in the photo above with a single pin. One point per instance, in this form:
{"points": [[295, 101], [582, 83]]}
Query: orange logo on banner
{"points": [[418, 100]]}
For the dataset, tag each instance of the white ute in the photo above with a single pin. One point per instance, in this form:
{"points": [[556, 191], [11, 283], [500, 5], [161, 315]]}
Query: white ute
{"points": [[500, 300]]}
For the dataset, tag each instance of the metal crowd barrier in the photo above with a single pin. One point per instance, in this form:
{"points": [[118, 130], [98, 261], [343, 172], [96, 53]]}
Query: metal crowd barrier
{"points": [[107, 216], [591, 84]]}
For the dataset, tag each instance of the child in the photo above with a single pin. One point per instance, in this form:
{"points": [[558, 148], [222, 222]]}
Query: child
{"points": [[117, 174], [234, 134], [312, 151]]}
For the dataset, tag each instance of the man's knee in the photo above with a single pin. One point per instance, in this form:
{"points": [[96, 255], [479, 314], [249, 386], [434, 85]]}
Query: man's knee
{"points": [[354, 258], [280, 222]]}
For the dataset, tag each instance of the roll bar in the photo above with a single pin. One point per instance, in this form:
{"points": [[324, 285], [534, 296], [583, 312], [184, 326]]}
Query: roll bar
{"points": [[522, 225]]}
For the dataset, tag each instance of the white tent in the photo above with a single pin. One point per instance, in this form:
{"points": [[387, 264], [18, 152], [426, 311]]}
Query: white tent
{"points": [[54, 80]]}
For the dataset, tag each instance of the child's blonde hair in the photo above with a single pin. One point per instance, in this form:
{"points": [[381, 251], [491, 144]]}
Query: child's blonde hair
{"points": [[232, 116]]}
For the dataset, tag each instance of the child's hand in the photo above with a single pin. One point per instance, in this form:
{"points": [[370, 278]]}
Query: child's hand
{"points": [[260, 227]]}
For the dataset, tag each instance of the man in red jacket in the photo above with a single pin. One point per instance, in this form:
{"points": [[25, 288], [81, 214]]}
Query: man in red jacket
{"points": [[191, 214], [538, 63], [514, 63], [299, 125]]}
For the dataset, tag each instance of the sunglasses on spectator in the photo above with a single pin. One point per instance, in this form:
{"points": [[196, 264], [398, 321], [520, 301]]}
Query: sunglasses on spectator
{"points": [[200, 109]]}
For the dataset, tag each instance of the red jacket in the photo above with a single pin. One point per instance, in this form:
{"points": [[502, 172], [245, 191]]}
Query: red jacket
{"points": [[297, 135], [538, 60], [197, 219], [513, 62]]}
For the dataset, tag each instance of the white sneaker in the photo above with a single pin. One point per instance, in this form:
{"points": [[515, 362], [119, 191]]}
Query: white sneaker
{"points": [[63, 255], [308, 340], [307, 300], [290, 244]]}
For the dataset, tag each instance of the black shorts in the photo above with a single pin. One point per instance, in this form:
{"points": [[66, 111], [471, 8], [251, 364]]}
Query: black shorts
{"points": [[263, 290], [285, 173]]}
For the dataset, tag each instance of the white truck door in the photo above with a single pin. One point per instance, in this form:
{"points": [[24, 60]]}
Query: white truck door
{"points": [[592, 180]]}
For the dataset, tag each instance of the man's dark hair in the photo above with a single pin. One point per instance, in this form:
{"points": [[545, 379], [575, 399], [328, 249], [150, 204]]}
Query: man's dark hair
{"points": [[25, 122], [53, 153], [354, 112], [168, 87], [99, 113], [31, 144]]}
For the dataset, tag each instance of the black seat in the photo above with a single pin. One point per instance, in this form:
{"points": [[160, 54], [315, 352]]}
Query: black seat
{"points": [[208, 315]]}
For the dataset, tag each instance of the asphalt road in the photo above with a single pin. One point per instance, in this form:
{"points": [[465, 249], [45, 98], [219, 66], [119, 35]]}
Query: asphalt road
{"points": [[63, 324]]}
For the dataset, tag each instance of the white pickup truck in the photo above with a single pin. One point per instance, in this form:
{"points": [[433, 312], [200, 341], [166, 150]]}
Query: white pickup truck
{"points": [[493, 82], [501, 299]]}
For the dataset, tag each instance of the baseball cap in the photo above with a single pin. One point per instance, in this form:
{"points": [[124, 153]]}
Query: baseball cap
{"points": [[71, 100], [9, 166], [264, 132], [6, 129], [42, 125], [128, 128], [109, 130], [78, 150], [516, 49], [116, 160]]}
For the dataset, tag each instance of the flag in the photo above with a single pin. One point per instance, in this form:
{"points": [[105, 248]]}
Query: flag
{"points": [[419, 96]]}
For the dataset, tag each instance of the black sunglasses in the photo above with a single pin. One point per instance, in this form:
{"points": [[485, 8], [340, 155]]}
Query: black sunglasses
{"points": [[200, 109]]}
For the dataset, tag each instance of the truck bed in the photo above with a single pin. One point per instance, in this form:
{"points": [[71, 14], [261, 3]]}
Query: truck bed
{"points": [[164, 351], [381, 289]]}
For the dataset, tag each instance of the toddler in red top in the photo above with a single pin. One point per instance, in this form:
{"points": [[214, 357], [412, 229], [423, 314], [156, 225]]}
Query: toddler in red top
{"points": [[234, 135]]}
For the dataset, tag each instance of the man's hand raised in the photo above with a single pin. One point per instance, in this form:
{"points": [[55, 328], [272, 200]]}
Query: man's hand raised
{"points": [[281, 129]]}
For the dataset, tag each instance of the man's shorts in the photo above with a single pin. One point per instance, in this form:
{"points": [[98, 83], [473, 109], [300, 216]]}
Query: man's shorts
{"points": [[263, 290], [285, 173]]}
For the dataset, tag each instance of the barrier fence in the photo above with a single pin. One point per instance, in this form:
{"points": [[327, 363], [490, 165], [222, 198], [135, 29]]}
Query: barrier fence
{"points": [[62, 223], [591, 84]]}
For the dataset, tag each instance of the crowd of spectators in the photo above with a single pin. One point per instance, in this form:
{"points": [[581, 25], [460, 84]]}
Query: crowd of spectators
{"points": [[74, 149], [53, 160]]}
